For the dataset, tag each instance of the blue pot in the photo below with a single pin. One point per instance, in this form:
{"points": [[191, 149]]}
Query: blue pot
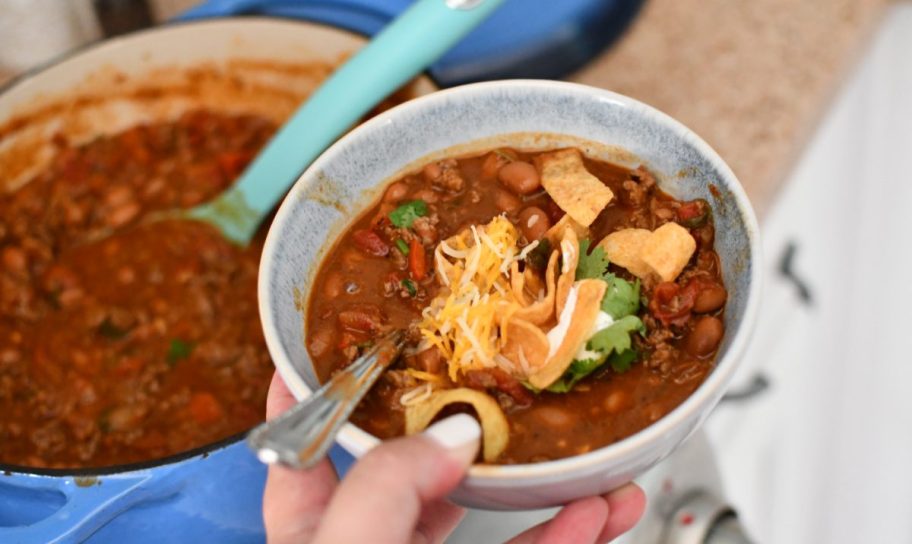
{"points": [[522, 39], [213, 494]]}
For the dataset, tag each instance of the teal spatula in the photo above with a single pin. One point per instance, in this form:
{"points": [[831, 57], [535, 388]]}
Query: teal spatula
{"points": [[408, 45]]}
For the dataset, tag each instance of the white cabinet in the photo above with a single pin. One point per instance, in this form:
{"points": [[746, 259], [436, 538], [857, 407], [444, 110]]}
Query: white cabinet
{"points": [[825, 455]]}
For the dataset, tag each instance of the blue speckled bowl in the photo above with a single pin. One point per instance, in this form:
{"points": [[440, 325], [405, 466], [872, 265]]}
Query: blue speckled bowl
{"points": [[529, 115]]}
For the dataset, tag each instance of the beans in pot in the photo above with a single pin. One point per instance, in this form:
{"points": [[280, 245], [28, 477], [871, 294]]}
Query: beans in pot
{"points": [[120, 340]]}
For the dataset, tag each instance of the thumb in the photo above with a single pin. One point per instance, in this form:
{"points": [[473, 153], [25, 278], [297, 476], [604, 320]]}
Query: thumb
{"points": [[380, 499]]}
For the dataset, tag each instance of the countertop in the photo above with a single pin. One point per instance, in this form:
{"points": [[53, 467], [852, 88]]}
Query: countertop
{"points": [[752, 77]]}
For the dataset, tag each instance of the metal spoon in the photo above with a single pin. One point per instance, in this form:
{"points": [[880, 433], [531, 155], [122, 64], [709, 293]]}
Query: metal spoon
{"points": [[300, 437]]}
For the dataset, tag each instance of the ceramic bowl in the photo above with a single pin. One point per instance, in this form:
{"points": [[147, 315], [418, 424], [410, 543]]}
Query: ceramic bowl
{"points": [[535, 115]]}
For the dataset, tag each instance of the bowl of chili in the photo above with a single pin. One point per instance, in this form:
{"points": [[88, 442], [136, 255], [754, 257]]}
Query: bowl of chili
{"points": [[394, 224]]}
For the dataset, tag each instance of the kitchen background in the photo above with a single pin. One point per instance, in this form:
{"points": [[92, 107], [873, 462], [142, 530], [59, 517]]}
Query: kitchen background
{"points": [[810, 102]]}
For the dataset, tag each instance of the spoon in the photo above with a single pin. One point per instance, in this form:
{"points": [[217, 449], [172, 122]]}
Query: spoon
{"points": [[300, 437], [414, 40]]}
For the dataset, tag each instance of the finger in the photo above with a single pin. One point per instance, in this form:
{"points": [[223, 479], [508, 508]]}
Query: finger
{"points": [[623, 509], [626, 506], [385, 491], [279, 397], [580, 521], [294, 501], [437, 521]]}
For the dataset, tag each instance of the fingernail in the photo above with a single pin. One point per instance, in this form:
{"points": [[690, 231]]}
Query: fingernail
{"points": [[625, 491], [460, 435]]}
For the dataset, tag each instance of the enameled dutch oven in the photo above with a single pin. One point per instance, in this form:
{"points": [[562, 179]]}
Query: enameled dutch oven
{"points": [[252, 65]]}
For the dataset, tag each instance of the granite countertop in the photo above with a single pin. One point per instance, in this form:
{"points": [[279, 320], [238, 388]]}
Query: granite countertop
{"points": [[752, 77]]}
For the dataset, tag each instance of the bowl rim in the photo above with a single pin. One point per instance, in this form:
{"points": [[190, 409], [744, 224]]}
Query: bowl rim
{"points": [[357, 442]]}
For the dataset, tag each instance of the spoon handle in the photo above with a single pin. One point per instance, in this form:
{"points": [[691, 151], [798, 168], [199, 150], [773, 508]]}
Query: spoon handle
{"points": [[408, 45], [300, 437]]}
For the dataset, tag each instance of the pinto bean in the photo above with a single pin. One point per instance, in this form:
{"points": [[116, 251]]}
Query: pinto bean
{"points": [[395, 192], [710, 299], [520, 177], [704, 338], [428, 195], [332, 287], [617, 401], [429, 360], [321, 341], [506, 201], [534, 223], [432, 171], [492, 164], [553, 417]]}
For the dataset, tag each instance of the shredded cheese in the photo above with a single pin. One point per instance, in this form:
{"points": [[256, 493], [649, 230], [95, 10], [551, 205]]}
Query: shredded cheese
{"points": [[465, 318], [417, 394], [424, 376], [526, 250]]}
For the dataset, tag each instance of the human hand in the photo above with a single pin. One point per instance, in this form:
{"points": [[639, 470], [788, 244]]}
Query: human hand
{"points": [[397, 493]]}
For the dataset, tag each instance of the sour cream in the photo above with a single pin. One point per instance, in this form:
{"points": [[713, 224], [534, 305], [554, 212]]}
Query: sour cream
{"points": [[602, 321], [556, 335]]}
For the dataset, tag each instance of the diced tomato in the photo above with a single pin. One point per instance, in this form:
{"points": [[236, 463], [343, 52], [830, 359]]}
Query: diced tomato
{"points": [[365, 318], [204, 408], [689, 210], [348, 339], [693, 214], [371, 243], [417, 260], [670, 304], [495, 378]]}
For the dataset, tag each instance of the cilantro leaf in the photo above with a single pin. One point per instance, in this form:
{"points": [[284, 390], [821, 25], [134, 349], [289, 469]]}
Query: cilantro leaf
{"points": [[613, 345], [578, 370], [616, 338], [562, 385], [177, 350], [621, 362], [622, 298], [405, 215], [538, 257], [591, 265]]}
